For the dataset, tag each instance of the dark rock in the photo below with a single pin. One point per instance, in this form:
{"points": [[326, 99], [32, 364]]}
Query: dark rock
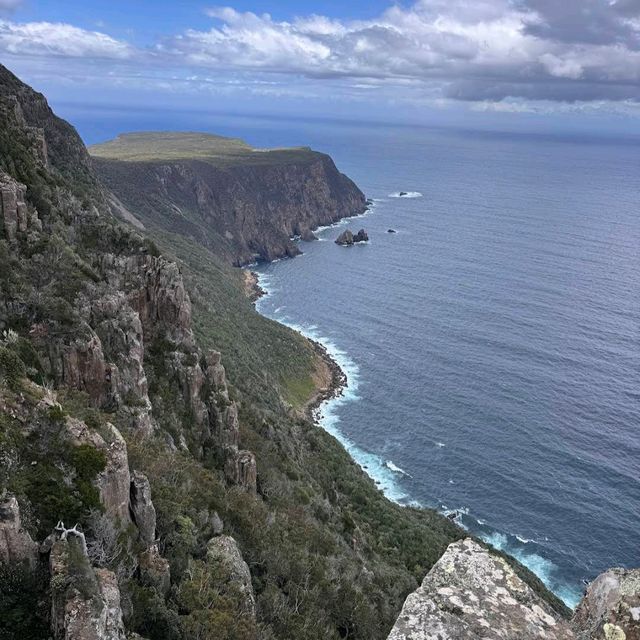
{"points": [[347, 238], [361, 236], [308, 236], [142, 510], [16, 544], [391, 231], [403, 193]]}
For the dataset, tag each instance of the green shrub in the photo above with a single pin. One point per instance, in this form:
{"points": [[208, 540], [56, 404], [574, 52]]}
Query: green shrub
{"points": [[12, 369]]}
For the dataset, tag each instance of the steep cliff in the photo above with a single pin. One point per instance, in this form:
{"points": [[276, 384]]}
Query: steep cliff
{"points": [[241, 202], [148, 434]]}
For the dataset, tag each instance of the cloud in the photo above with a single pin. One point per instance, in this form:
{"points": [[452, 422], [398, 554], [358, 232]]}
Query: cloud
{"points": [[460, 49], [59, 39], [9, 5]]}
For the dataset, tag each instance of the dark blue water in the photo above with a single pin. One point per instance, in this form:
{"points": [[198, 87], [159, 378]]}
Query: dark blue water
{"points": [[492, 343]]}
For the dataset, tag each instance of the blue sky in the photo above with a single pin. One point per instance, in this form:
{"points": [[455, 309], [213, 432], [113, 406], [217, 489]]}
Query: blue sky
{"points": [[498, 63]]}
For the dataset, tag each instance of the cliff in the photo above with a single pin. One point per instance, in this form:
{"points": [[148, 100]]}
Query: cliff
{"points": [[156, 477], [243, 203]]}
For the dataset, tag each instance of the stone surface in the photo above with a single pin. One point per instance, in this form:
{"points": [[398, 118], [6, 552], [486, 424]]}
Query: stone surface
{"points": [[610, 609], [13, 208], [16, 545], [85, 601], [471, 594], [348, 238], [142, 510], [114, 481], [224, 551]]}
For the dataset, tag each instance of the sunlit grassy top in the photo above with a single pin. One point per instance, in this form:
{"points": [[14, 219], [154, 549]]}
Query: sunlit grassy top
{"points": [[163, 146]]}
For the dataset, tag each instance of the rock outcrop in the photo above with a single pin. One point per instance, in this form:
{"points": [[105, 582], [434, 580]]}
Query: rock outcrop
{"points": [[143, 512], [13, 208], [16, 545], [348, 238], [223, 551], [471, 594], [154, 570], [610, 609], [85, 601]]}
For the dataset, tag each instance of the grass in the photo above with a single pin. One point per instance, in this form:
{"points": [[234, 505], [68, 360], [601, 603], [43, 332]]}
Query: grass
{"points": [[171, 146]]}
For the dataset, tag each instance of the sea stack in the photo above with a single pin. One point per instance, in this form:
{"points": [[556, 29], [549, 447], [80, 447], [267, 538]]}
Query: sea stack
{"points": [[347, 238]]}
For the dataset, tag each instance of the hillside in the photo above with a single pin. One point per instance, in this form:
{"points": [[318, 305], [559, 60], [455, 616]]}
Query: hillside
{"points": [[145, 401], [244, 204]]}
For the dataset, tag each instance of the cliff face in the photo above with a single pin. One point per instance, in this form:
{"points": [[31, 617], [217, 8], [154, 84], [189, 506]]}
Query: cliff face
{"points": [[140, 491], [247, 208]]}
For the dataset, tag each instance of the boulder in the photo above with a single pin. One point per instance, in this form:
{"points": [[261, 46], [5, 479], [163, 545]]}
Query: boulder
{"points": [[610, 609], [143, 512], [391, 231], [16, 545], [471, 594], [361, 236], [345, 239]]}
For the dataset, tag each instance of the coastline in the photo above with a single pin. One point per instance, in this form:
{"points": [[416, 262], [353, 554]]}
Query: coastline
{"points": [[330, 383]]}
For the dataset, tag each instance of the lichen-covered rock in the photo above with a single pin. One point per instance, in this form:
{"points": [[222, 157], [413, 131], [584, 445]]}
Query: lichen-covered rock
{"points": [[114, 481], [85, 601], [16, 545], [13, 208], [610, 609], [142, 509], [471, 594], [345, 238], [154, 570], [224, 551]]}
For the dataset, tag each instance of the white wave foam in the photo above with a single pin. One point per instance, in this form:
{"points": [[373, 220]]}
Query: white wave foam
{"points": [[406, 194], [440, 445], [542, 567], [327, 414], [396, 469]]}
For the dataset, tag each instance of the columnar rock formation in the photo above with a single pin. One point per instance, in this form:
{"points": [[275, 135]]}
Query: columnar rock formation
{"points": [[16, 545]]}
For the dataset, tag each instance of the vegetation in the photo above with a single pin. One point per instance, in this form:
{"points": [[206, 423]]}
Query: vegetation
{"points": [[217, 150], [329, 556]]}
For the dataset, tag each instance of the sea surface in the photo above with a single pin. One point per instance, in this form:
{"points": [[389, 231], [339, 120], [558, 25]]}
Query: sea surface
{"points": [[491, 344]]}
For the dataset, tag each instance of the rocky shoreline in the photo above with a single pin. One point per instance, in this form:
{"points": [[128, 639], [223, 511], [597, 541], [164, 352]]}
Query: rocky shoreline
{"points": [[335, 386], [252, 286]]}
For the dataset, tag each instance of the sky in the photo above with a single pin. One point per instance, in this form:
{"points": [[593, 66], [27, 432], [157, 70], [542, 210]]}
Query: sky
{"points": [[561, 63]]}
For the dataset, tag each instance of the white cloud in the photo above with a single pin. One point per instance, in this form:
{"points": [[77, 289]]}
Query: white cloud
{"points": [[470, 49], [59, 39]]}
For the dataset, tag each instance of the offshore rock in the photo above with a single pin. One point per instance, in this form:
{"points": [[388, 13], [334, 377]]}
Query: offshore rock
{"points": [[347, 238], [610, 610], [471, 594], [16, 545], [142, 510]]}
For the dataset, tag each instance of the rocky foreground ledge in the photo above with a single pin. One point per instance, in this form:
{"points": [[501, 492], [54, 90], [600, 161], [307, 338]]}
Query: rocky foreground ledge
{"points": [[471, 593]]}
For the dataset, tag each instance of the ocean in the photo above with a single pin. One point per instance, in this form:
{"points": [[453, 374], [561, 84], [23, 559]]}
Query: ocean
{"points": [[491, 344]]}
